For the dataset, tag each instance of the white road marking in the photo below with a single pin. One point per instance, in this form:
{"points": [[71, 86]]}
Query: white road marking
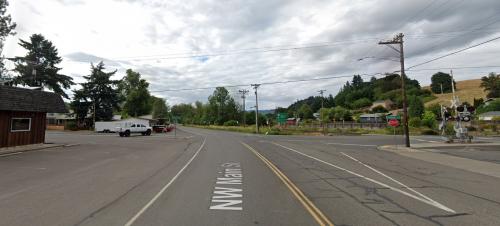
{"points": [[435, 204], [229, 197], [138, 214], [362, 145], [394, 180], [431, 141]]}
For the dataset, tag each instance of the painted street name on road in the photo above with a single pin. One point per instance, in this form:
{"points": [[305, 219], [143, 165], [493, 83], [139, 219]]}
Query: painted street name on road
{"points": [[228, 191]]}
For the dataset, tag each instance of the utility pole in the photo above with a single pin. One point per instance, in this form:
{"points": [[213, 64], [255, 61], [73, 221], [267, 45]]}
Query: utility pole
{"points": [[321, 118], [256, 86], [321, 93], [243, 93], [399, 40]]}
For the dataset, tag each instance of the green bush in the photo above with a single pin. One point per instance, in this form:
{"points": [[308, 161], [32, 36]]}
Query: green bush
{"points": [[415, 122], [361, 103], [429, 119], [429, 132], [231, 123], [71, 125]]}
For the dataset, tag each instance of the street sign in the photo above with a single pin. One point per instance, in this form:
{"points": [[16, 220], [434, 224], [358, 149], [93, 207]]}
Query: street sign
{"points": [[393, 122], [397, 117], [281, 118]]}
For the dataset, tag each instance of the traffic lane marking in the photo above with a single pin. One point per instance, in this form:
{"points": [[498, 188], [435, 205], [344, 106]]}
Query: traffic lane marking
{"points": [[320, 218], [143, 209], [362, 145], [394, 180], [437, 205]]}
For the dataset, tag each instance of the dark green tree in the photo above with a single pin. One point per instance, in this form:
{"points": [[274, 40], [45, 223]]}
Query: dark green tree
{"points": [[491, 84], [443, 79], [415, 106], [185, 112], [98, 95], [222, 107], [305, 112], [38, 66], [134, 91], [6, 28], [160, 108]]}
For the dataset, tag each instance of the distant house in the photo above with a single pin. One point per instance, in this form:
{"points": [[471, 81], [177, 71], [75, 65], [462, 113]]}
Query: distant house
{"points": [[292, 121], [488, 116], [58, 121], [23, 115], [372, 118], [387, 104]]}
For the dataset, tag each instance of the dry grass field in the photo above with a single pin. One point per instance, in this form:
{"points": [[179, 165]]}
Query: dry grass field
{"points": [[467, 90]]}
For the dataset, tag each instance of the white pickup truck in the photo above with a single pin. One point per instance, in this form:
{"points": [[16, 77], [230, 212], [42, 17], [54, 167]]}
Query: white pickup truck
{"points": [[129, 128]]}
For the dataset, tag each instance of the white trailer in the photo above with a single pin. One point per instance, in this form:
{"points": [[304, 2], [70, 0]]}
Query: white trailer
{"points": [[107, 127]]}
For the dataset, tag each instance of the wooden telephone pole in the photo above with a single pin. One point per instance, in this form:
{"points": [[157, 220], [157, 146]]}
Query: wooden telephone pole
{"points": [[399, 40], [243, 96]]}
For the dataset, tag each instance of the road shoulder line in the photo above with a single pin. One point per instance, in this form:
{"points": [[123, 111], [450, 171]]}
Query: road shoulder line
{"points": [[310, 207], [143, 209]]}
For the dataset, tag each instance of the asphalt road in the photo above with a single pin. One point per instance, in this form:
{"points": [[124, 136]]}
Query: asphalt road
{"points": [[205, 177]]}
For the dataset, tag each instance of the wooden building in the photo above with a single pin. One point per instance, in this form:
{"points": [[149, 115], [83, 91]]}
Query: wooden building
{"points": [[23, 115]]}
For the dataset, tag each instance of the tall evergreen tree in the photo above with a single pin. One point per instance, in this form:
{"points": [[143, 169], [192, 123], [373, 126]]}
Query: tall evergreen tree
{"points": [[38, 66], [99, 94], [6, 28]]}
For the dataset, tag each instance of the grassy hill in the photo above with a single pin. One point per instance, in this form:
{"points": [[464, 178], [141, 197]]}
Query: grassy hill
{"points": [[467, 90]]}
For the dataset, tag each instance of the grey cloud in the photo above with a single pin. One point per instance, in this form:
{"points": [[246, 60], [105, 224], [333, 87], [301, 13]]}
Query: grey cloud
{"points": [[89, 58]]}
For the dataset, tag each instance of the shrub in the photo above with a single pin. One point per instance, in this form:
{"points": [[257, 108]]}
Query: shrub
{"points": [[231, 123], [429, 119], [71, 125], [415, 122], [429, 132], [379, 109], [361, 103]]}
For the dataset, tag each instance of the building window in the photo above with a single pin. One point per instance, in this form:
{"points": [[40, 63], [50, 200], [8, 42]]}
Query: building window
{"points": [[20, 124]]}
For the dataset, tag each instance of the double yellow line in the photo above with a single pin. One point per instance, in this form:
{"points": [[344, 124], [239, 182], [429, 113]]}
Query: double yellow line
{"points": [[310, 207]]}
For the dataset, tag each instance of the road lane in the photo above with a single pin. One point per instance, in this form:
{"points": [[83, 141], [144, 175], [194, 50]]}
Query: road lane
{"points": [[452, 187], [265, 200], [107, 180]]}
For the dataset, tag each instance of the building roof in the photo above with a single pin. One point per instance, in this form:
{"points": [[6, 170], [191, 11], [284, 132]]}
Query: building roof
{"points": [[20, 99], [376, 115], [490, 113]]}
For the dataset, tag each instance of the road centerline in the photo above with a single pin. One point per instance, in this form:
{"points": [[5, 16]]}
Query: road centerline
{"points": [[320, 218]]}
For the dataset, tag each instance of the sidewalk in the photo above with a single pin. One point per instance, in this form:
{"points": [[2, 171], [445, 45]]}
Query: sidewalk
{"points": [[25, 148], [425, 152]]}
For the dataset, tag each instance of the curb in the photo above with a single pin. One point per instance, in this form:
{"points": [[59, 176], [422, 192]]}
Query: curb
{"points": [[28, 148]]}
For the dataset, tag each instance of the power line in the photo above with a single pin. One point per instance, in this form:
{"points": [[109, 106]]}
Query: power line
{"points": [[266, 83], [454, 68], [455, 52]]}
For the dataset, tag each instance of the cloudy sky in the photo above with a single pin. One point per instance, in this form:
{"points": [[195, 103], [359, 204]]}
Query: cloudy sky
{"points": [[178, 44]]}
